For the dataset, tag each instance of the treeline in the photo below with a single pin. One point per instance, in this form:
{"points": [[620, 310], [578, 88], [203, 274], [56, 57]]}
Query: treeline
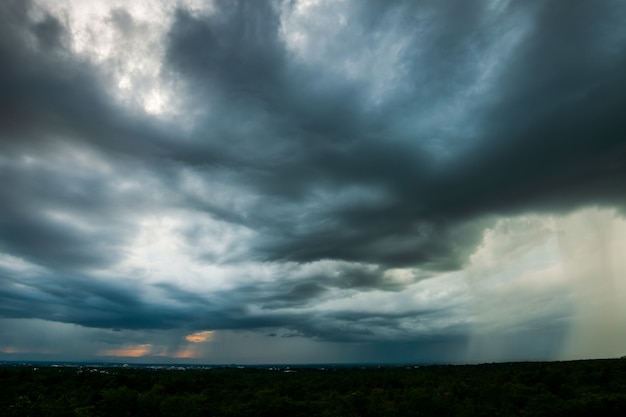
{"points": [[579, 388]]}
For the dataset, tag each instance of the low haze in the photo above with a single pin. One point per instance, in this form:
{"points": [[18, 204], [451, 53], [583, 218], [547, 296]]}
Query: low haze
{"points": [[310, 181]]}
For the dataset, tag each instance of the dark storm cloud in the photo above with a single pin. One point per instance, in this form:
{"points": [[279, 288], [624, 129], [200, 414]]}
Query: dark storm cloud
{"points": [[373, 327], [76, 299], [91, 228], [551, 134], [335, 170], [557, 137], [320, 137], [120, 303], [53, 105]]}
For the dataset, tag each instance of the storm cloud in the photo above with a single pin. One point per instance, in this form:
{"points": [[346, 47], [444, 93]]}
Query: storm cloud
{"points": [[356, 175]]}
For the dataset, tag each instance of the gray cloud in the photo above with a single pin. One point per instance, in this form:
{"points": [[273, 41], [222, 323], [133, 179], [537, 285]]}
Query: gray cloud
{"points": [[391, 139], [542, 159]]}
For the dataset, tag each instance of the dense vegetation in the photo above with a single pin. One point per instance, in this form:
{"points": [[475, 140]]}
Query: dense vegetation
{"points": [[580, 388]]}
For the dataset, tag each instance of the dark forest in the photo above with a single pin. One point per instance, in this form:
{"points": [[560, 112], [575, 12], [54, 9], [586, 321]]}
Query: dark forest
{"points": [[577, 388]]}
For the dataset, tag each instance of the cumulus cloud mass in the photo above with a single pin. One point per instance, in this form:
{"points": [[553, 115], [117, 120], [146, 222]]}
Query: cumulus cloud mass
{"points": [[312, 180]]}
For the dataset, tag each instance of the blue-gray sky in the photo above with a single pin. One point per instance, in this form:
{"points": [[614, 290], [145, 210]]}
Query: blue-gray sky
{"points": [[312, 181]]}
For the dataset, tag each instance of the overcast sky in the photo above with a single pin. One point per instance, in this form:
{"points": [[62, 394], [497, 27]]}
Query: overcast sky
{"points": [[312, 181]]}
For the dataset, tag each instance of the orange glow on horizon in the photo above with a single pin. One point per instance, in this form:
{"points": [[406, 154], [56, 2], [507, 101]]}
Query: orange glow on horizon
{"points": [[183, 354], [132, 351], [11, 349]]}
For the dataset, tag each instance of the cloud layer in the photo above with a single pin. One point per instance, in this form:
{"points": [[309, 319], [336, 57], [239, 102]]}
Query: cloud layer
{"points": [[367, 174]]}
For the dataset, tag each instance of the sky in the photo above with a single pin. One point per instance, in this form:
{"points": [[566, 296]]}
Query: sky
{"points": [[312, 181]]}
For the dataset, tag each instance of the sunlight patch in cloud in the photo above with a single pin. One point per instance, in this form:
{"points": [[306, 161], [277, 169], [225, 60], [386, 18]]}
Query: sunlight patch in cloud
{"points": [[200, 337], [126, 41], [185, 249]]}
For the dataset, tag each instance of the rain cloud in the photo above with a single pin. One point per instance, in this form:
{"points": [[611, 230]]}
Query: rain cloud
{"points": [[380, 181]]}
